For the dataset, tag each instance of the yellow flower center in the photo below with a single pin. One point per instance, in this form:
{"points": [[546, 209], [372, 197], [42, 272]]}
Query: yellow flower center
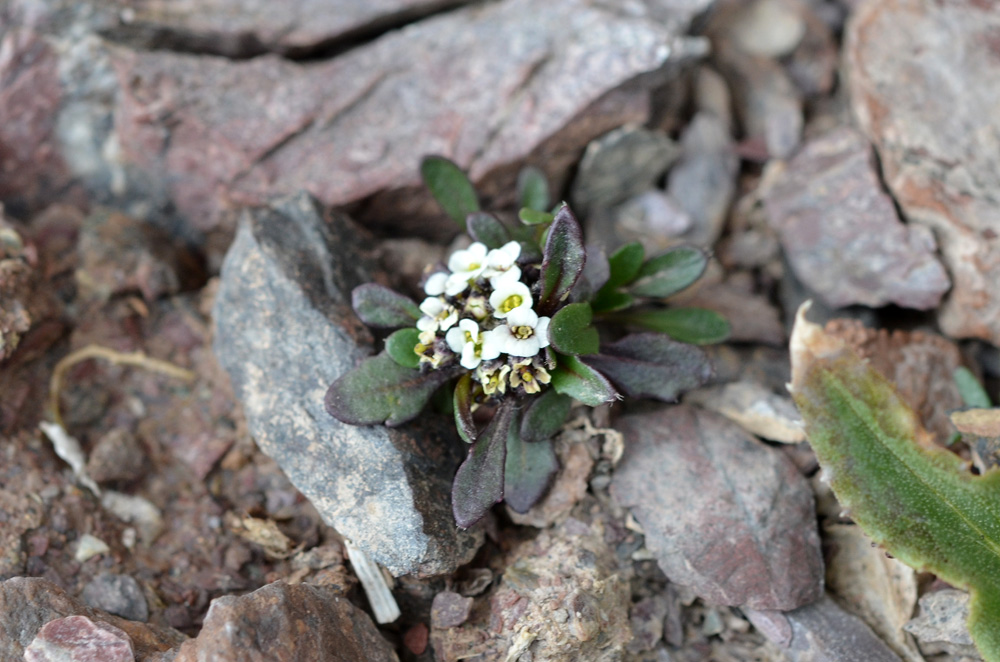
{"points": [[511, 302], [523, 332]]}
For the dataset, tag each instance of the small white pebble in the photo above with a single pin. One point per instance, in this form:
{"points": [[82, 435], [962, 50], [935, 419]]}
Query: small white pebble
{"points": [[90, 546]]}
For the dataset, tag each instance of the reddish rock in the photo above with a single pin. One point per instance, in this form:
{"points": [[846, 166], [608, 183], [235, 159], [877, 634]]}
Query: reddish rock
{"points": [[287, 623], [841, 232], [724, 514], [353, 129], [79, 639], [925, 86], [449, 609]]}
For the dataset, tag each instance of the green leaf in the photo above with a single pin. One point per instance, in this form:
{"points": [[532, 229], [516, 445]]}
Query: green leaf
{"points": [[487, 229], [381, 391], [697, 326], [383, 308], [651, 365], [450, 187], [545, 416], [972, 392], [625, 264], [533, 189], [909, 495], [669, 273], [609, 301], [400, 346], [528, 472], [578, 380], [479, 482], [562, 261], [570, 331], [534, 216], [463, 409]]}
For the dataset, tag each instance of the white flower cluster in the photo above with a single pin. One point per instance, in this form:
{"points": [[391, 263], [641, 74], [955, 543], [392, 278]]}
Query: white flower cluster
{"points": [[484, 311]]}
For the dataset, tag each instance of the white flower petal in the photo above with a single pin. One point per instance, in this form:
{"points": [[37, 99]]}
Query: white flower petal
{"points": [[523, 347], [469, 359], [450, 320], [431, 306], [456, 284], [455, 339], [522, 317], [494, 342], [427, 324], [508, 297], [542, 331], [470, 327], [435, 284]]}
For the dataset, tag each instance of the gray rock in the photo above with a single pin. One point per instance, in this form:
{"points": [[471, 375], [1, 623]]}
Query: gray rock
{"points": [[822, 632], [79, 639], [932, 116], [117, 594], [723, 513], [841, 232], [285, 331], [652, 218], [27, 604], [703, 181], [941, 626], [287, 623], [755, 408]]}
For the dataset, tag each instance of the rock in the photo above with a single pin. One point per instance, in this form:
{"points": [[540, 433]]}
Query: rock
{"points": [[752, 316], [772, 28], [117, 455], [15, 288], [872, 585], [711, 95], [647, 617], [568, 487], [938, 155], [652, 218], [767, 102], [841, 233], [562, 597], [940, 627], [285, 331], [822, 632], [353, 129], [620, 165], [27, 604], [812, 66], [120, 595], [287, 623], [243, 29], [703, 181], [921, 365], [724, 514], [755, 408], [449, 610], [79, 639], [120, 255], [88, 547]]}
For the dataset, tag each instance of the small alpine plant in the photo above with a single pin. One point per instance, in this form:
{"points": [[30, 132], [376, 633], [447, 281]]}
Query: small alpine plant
{"points": [[508, 331]]}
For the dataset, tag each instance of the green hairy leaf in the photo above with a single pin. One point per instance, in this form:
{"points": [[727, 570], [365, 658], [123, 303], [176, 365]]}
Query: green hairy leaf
{"points": [[651, 365], [533, 189], [528, 471], [570, 331], [383, 308], [463, 409], [669, 273], [578, 380], [625, 264], [488, 229], [914, 498], [562, 261], [545, 416], [400, 346], [534, 216], [610, 301], [450, 187], [972, 392], [380, 391], [479, 482], [697, 326]]}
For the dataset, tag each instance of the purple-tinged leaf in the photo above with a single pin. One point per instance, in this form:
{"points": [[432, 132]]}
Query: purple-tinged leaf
{"points": [[562, 261], [463, 409], [528, 471], [545, 416], [651, 365], [570, 331], [401, 345], [380, 391], [595, 274], [479, 482], [450, 187], [578, 380], [488, 229], [669, 273], [383, 308]]}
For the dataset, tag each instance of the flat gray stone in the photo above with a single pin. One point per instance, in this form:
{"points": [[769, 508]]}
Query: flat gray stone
{"points": [[284, 332], [724, 514], [941, 625], [841, 233], [931, 112]]}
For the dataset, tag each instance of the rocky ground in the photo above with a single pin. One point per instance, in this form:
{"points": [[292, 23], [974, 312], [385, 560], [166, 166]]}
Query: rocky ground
{"points": [[191, 190]]}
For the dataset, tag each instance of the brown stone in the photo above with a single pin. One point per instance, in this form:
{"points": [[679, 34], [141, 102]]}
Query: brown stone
{"points": [[79, 639], [925, 86]]}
